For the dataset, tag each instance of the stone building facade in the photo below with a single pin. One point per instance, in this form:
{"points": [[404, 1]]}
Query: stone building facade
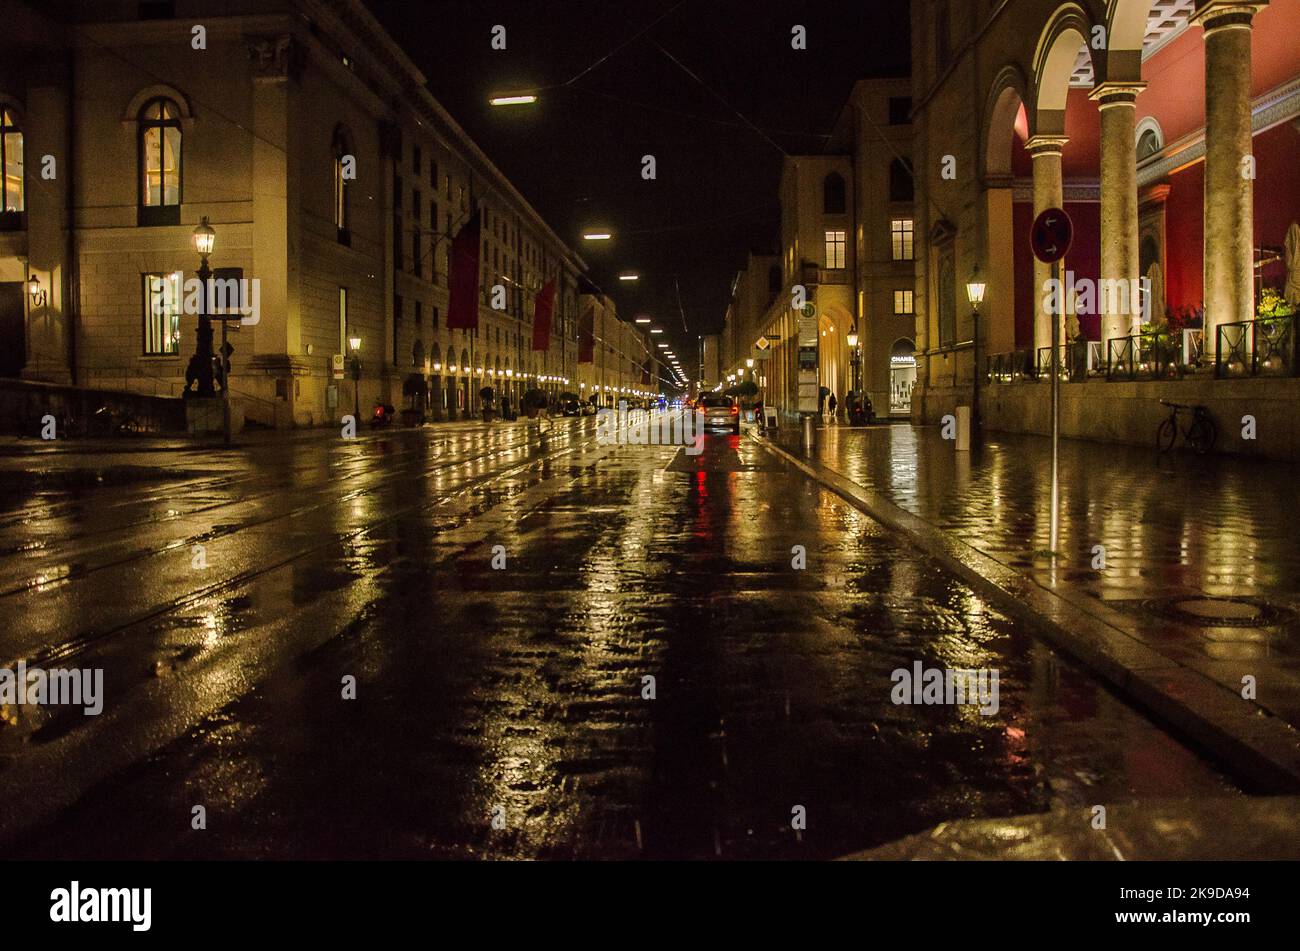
{"points": [[330, 175]]}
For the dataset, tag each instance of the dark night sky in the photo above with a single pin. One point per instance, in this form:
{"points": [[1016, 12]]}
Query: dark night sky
{"points": [[576, 155]]}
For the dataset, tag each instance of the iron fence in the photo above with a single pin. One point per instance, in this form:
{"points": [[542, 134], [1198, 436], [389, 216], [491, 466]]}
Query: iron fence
{"points": [[1261, 347]]}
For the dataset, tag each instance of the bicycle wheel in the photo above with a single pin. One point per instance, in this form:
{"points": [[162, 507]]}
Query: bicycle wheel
{"points": [[1201, 435], [1166, 434]]}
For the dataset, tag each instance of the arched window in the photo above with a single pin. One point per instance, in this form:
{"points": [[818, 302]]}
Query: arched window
{"points": [[833, 202], [344, 172], [417, 354], [160, 163], [901, 186], [1149, 144], [11, 160]]}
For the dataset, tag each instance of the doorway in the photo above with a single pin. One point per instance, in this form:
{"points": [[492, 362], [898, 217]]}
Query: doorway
{"points": [[13, 332]]}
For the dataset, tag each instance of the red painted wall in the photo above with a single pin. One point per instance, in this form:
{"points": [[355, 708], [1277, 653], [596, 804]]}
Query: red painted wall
{"points": [[1277, 205], [1175, 76], [1277, 192], [1184, 238]]}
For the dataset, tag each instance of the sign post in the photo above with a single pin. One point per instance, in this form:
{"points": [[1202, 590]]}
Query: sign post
{"points": [[1053, 231]]}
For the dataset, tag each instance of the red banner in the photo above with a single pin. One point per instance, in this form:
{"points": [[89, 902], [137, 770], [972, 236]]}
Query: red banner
{"points": [[587, 336], [543, 308], [462, 308]]}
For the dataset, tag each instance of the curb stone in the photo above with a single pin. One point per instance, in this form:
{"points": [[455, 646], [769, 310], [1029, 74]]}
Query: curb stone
{"points": [[1256, 746]]}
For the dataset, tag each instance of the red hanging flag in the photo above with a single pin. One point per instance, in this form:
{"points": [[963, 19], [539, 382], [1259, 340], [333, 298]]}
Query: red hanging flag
{"points": [[587, 336], [543, 308], [462, 308]]}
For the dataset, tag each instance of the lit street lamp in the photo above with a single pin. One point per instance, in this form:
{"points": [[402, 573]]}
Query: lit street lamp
{"points": [[975, 294], [200, 368], [855, 359], [354, 344]]}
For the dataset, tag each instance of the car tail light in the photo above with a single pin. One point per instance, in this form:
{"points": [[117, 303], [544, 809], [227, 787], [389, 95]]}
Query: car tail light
{"points": [[735, 410]]}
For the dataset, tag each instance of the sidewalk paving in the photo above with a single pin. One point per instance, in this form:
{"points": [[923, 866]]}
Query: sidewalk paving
{"points": [[1176, 530], [1218, 830]]}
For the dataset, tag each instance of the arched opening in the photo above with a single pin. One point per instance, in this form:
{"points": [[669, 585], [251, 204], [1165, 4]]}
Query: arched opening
{"points": [[1008, 320], [1065, 143]]}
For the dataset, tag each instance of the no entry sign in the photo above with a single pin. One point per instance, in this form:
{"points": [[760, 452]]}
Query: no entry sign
{"points": [[1052, 234]]}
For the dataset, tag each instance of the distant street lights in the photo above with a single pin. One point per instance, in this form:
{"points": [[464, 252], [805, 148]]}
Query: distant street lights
{"points": [[975, 294]]}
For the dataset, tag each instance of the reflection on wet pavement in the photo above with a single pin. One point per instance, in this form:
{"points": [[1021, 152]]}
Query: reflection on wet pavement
{"points": [[519, 689]]}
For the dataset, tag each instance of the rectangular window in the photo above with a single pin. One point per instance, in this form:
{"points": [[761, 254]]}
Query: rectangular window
{"points": [[415, 160], [433, 174], [419, 318], [835, 245], [435, 318], [343, 320], [162, 314], [903, 303], [900, 230], [417, 258], [397, 322]]}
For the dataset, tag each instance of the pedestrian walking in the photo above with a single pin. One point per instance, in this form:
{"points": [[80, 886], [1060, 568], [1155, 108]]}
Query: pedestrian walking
{"points": [[830, 404]]}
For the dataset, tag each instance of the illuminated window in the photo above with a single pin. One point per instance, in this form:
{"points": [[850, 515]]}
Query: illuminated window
{"points": [[162, 314], [11, 160], [160, 163], [343, 320], [900, 230], [903, 303], [342, 157], [835, 249]]}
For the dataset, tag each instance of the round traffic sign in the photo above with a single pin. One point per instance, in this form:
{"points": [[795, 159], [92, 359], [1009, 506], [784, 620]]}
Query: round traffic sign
{"points": [[1052, 234]]}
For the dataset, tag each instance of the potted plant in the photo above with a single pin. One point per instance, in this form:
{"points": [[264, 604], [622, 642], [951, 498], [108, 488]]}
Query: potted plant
{"points": [[415, 390], [534, 403], [488, 398]]}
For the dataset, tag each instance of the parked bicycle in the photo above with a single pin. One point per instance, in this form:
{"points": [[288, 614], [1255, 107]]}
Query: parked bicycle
{"points": [[1200, 433]]}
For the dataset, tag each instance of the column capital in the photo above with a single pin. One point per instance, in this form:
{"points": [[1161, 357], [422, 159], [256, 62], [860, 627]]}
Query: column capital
{"points": [[1044, 145], [1214, 15], [1116, 93]]}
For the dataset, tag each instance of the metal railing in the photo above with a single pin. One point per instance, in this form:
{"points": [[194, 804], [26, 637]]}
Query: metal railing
{"points": [[1261, 347], [1013, 367], [1143, 357], [1077, 360]]}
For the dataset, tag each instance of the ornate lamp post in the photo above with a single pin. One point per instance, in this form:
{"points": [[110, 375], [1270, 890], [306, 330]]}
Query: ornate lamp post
{"points": [[200, 369], [975, 294], [854, 359], [354, 344]]}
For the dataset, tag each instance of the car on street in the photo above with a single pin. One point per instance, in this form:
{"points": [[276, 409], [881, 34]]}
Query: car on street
{"points": [[720, 412]]}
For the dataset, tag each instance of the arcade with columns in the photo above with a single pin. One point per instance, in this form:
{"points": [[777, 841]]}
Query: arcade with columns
{"points": [[1169, 130]]}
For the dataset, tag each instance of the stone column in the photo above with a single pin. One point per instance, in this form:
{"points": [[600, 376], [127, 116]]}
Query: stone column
{"points": [[1120, 308], [1049, 192], [1229, 181]]}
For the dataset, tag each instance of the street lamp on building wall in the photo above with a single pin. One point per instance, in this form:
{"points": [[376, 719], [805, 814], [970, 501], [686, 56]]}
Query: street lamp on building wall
{"points": [[975, 294], [40, 297]]}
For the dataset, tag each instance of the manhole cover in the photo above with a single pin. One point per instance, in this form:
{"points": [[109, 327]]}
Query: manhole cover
{"points": [[1222, 612]]}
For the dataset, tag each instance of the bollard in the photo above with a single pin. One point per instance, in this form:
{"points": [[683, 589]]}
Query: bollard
{"points": [[809, 434], [963, 429]]}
